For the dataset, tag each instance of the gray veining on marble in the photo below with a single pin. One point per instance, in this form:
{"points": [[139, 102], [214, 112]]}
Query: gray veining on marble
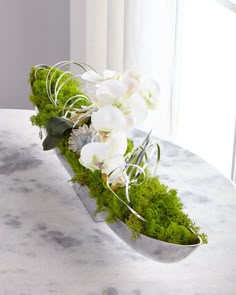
{"points": [[50, 245]]}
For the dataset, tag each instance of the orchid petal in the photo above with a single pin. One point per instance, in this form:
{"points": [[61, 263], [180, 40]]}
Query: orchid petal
{"points": [[138, 107], [132, 86], [117, 142], [150, 90], [113, 163], [91, 76], [131, 74], [113, 167], [131, 121], [110, 92], [93, 155], [109, 74], [107, 157], [108, 118]]}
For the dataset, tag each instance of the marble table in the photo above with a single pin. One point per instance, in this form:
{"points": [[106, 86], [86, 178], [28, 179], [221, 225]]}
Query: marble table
{"points": [[50, 245]]}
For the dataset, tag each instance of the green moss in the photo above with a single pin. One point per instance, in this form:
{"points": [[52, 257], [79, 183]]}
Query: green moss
{"points": [[154, 201], [39, 97]]}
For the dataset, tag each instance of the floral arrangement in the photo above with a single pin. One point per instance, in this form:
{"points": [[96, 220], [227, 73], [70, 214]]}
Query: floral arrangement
{"points": [[90, 118]]}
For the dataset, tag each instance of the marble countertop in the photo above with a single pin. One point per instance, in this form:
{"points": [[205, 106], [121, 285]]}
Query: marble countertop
{"points": [[50, 245]]}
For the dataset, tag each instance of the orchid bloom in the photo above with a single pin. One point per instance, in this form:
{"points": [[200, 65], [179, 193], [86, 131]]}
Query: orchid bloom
{"points": [[93, 77], [93, 155], [119, 106], [149, 88], [113, 168], [92, 80], [108, 118], [110, 92], [122, 101], [106, 156]]}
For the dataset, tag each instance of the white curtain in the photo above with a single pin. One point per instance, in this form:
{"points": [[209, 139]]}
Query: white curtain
{"points": [[129, 34], [205, 92]]}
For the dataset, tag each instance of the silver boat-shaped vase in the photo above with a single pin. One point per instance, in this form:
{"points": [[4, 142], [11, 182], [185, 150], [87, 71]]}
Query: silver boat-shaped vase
{"points": [[154, 249]]}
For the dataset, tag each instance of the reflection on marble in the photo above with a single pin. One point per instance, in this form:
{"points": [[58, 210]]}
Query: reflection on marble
{"points": [[50, 245]]}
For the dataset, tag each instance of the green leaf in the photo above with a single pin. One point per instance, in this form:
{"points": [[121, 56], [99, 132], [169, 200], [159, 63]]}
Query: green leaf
{"points": [[56, 126], [50, 142]]}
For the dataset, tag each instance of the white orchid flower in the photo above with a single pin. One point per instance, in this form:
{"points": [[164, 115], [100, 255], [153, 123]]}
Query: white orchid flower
{"points": [[113, 168], [93, 77], [122, 101], [126, 109], [132, 85], [98, 90], [93, 155], [137, 107], [110, 92], [117, 142], [108, 118], [150, 90], [131, 74], [107, 157], [109, 74]]}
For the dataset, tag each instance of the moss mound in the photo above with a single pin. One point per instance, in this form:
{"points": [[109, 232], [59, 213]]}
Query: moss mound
{"points": [[158, 204], [39, 96]]}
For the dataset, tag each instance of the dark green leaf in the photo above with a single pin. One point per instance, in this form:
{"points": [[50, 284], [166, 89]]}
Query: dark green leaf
{"points": [[50, 142], [56, 126]]}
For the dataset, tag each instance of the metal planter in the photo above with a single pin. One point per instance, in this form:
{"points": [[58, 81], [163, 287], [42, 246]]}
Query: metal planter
{"points": [[152, 248]]}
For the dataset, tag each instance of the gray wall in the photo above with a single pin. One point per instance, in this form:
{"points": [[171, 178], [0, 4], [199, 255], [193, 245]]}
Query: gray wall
{"points": [[31, 32]]}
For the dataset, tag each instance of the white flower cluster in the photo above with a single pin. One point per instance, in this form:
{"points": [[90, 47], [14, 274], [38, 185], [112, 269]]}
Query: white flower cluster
{"points": [[121, 104]]}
